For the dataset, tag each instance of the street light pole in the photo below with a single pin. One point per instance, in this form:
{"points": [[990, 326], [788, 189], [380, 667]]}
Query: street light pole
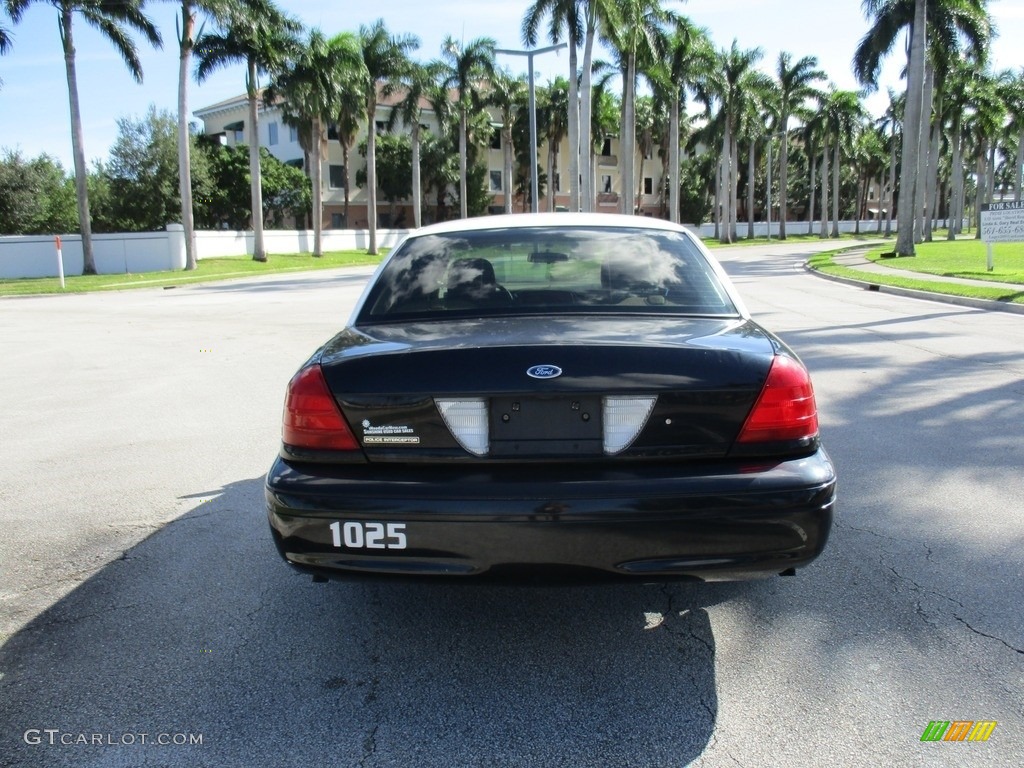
{"points": [[534, 186]]}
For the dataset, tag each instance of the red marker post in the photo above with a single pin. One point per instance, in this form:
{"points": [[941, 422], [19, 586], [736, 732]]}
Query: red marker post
{"points": [[60, 261]]}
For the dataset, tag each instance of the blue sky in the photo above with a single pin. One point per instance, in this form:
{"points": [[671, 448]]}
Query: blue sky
{"points": [[34, 114]]}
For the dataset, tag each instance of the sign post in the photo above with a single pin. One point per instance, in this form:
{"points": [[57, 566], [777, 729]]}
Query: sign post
{"points": [[60, 262], [1001, 223]]}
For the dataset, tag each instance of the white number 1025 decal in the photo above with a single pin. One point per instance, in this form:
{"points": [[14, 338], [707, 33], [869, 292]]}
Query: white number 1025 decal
{"points": [[369, 535]]}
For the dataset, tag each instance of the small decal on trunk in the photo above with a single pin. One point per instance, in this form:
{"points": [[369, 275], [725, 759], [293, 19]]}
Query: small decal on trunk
{"points": [[391, 434]]}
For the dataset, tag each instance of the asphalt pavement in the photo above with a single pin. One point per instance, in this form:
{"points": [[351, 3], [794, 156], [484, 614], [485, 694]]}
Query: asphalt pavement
{"points": [[146, 620]]}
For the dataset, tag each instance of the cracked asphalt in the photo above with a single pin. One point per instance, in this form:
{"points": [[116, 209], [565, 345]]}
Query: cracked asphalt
{"points": [[140, 594]]}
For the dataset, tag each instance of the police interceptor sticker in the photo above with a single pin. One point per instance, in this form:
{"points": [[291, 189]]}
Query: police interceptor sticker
{"points": [[391, 434]]}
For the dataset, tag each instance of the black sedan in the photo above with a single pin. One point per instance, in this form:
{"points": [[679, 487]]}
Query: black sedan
{"points": [[549, 397]]}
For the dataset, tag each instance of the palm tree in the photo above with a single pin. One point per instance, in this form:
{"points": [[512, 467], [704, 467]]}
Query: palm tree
{"points": [[556, 124], [310, 86], [350, 111], [386, 58], [5, 44], [945, 22], [730, 86], [261, 37], [640, 40], [891, 119], [567, 16], [1011, 90], [689, 61], [507, 94], [795, 83], [113, 21], [844, 112], [465, 67], [190, 10], [597, 15], [420, 85]]}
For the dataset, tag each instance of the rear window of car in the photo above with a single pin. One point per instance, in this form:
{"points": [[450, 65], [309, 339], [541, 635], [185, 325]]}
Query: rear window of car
{"points": [[546, 271]]}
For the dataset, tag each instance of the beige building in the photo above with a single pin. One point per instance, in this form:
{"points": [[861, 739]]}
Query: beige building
{"points": [[228, 120]]}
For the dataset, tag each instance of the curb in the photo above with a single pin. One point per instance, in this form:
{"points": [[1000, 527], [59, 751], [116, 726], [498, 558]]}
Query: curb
{"points": [[960, 301]]}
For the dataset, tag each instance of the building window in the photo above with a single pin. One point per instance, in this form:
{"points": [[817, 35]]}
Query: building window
{"points": [[337, 221], [496, 185], [648, 185], [337, 174], [606, 184], [606, 148], [496, 138], [381, 126], [239, 136], [271, 134], [332, 132], [871, 194], [293, 134]]}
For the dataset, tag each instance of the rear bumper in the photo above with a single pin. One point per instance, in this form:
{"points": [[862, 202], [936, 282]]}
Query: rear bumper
{"points": [[651, 522]]}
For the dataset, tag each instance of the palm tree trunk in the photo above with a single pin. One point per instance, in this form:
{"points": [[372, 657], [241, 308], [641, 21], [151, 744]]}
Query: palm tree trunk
{"points": [[347, 177], [750, 192], [259, 250], [574, 129], [824, 190], [318, 189], [628, 143], [551, 177], [892, 182], [188, 19], [783, 177], [509, 155], [463, 185], [734, 186], [673, 160], [957, 182], [912, 121], [835, 187], [417, 184], [810, 209], [923, 158], [371, 171], [724, 167], [981, 169], [932, 182], [77, 146], [588, 182]]}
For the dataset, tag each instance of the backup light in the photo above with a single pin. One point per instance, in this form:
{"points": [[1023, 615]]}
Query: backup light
{"points": [[467, 421], [624, 417]]}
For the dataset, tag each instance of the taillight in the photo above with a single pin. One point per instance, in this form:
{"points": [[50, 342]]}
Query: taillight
{"points": [[785, 409], [311, 417]]}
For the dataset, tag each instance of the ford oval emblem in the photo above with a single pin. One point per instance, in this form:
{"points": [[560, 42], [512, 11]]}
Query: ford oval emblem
{"points": [[544, 371]]}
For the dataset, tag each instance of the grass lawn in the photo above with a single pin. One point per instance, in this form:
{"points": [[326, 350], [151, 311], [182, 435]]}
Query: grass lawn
{"points": [[823, 263], [960, 258], [220, 268]]}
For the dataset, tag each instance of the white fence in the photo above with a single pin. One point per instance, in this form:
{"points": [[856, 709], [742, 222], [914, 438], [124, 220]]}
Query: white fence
{"points": [[36, 255]]}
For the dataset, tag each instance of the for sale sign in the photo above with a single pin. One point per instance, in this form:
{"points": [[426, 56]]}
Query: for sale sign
{"points": [[1002, 222]]}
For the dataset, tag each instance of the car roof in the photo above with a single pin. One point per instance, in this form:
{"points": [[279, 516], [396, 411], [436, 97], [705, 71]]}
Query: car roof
{"points": [[529, 220]]}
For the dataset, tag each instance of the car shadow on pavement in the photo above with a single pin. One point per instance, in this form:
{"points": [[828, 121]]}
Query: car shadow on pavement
{"points": [[201, 630]]}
